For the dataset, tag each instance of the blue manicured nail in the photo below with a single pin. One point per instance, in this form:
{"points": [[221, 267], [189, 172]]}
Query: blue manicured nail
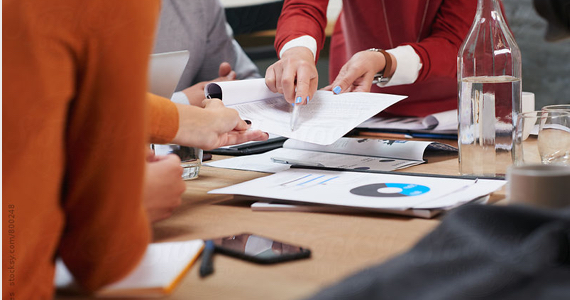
{"points": [[308, 99], [298, 100], [336, 89], [293, 104]]}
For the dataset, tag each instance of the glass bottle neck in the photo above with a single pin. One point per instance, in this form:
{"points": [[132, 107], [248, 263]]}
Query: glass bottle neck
{"points": [[489, 9]]}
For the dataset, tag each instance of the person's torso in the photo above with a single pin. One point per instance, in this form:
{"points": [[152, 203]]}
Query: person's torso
{"points": [[386, 24]]}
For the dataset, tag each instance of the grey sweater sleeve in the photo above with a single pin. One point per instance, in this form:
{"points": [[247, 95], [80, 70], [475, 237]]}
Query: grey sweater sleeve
{"points": [[200, 27]]}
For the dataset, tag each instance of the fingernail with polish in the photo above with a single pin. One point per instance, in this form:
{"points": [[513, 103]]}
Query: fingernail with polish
{"points": [[248, 122], [336, 89], [308, 99], [298, 100], [293, 104]]}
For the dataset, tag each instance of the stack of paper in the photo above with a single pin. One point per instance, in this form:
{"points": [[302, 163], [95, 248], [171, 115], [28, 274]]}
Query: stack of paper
{"points": [[345, 153]]}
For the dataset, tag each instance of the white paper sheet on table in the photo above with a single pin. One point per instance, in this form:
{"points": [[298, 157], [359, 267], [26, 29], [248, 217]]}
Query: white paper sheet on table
{"points": [[364, 190], [325, 119]]}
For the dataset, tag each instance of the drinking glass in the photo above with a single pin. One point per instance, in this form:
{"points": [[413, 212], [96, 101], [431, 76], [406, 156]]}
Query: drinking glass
{"points": [[190, 157], [563, 107], [526, 146], [554, 137]]}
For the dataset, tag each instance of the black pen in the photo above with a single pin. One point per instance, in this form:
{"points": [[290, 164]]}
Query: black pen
{"points": [[207, 266]]}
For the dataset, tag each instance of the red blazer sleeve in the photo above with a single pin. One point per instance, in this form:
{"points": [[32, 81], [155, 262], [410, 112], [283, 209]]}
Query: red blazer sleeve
{"points": [[302, 17], [448, 31]]}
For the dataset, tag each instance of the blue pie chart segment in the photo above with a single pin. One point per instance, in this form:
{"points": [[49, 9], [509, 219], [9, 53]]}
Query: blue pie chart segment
{"points": [[390, 190], [409, 189]]}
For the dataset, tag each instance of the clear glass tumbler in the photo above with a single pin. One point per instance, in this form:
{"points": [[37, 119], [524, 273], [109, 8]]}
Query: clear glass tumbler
{"points": [[554, 137], [190, 157]]}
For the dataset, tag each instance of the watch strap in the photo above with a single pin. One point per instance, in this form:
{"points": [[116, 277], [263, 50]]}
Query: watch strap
{"points": [[383, 75]]}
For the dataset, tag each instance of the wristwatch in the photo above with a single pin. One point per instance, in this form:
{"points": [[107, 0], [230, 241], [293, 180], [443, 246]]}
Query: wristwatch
{"points": [[382, 76]]}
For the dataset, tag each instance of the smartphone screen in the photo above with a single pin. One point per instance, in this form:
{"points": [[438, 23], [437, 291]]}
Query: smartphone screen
{"points": [[259, 249]]}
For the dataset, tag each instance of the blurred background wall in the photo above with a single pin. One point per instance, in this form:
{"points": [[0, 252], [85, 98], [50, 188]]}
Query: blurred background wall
{"points": [[546, 65]]}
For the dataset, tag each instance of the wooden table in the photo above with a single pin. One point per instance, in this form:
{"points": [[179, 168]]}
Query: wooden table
{"points": [[341, 244]]}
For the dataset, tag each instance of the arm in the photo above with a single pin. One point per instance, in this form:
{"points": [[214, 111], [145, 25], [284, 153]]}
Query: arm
{"points": [[107, 231], [219, 45], [295, 74], [433, 56], [209, 127], [244, 67], [302, 18]]}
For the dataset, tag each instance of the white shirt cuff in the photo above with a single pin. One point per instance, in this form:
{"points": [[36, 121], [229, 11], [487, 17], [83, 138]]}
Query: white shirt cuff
{"points": [[180, 98], [302, 41], [407, 68]]}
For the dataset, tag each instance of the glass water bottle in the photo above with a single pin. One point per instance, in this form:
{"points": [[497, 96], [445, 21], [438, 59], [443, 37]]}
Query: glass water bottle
{"points": [[489, 80]]}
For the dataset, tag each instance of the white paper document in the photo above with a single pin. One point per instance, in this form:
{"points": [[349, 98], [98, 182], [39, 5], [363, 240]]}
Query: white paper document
{"points": [[426, 213], [325, 119], [345, 153], [354, 189], [310, 207], [443, 122], [265, 162], [399, 149]]}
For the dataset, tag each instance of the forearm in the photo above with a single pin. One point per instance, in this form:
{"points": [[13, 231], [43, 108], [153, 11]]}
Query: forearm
{"points": [[299, 18], [218, 47], [163, 121]]}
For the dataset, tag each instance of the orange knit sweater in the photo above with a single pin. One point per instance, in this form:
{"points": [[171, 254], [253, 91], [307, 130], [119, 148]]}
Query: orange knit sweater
{"points": [[73, 140]]}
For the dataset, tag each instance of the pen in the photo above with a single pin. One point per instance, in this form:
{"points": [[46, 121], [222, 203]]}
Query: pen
{"points": [[281, 160], [294, 116], [207, 267], [386, 135], [426, 135], [442, 136]]}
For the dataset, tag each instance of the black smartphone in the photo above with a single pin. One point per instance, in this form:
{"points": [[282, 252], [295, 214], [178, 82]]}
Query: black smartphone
{"points": [[259, 249]]}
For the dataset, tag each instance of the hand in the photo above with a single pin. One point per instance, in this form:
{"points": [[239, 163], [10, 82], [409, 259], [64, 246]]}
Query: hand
{"points": [[213, 126], [163, 186], [295, 70], [357, 74], [195, 93]]}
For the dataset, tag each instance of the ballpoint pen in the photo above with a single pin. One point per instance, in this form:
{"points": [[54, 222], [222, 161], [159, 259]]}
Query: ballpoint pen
{"points": [[288, 161], [386, 135], [295, 113], [207, 267]]}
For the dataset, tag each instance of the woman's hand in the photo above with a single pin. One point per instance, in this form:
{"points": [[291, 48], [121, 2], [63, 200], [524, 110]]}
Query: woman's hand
{"points": [[294, 75], [357, 74], [163, 186], [213, 126], [195, 93]]}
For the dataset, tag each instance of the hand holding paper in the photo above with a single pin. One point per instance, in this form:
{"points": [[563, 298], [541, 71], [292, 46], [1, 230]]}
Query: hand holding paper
{"points": [[325, 119]]}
